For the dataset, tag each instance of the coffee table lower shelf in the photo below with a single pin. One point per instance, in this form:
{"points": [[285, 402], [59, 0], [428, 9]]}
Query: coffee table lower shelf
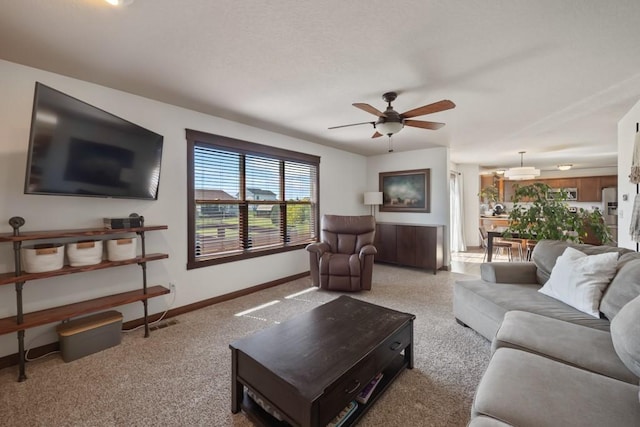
{"points": [[261, 418]]}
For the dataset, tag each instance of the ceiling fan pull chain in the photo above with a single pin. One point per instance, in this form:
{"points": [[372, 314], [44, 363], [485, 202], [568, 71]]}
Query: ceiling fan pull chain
{"points": [[390, 144]]}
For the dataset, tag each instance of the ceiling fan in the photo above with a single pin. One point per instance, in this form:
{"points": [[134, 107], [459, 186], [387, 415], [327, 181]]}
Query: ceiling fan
{"points": [[391, 122]]}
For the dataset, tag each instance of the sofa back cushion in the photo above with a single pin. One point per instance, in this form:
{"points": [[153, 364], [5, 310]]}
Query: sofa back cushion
{"points": [[546, 252], [624, 287], [625, 336]]}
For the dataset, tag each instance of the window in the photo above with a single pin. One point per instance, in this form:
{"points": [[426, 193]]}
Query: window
{"points": [[247, 199]]}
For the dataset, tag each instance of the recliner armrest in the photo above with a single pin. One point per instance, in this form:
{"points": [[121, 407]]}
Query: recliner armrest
{"points": [[509, 272], [318, 248], [367, 250]]}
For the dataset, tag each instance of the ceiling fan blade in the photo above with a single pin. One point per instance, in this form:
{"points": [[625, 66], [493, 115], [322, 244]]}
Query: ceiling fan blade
{"points": [[376, 135], [423, 124], [445, 104], [369, 109], [353, 124]]}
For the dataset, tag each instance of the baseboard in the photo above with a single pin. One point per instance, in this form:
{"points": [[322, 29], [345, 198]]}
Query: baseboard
{"points": [[12, 359], [215, 300]]}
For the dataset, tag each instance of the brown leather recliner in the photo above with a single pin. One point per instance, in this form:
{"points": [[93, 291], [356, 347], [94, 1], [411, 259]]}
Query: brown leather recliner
{"points": [[343, 259]]}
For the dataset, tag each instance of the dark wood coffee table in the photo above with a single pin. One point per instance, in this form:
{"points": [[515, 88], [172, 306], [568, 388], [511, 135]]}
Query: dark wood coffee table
{"points": [[308, 368]]}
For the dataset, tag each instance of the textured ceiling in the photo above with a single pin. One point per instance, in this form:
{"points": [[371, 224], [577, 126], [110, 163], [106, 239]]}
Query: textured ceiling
{"points": [[549, 77]]}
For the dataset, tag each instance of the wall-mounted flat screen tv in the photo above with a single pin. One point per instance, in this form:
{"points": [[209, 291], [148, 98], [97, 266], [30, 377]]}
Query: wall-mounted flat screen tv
{"points": [[80, 150]]}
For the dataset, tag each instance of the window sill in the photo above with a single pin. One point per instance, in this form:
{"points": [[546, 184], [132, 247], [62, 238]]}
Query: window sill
{"points": [[222, 259]]}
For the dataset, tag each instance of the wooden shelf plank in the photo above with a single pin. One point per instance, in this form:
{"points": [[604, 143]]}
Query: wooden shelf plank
{"points": [[81, 232], [8, 278], [43, 317]]}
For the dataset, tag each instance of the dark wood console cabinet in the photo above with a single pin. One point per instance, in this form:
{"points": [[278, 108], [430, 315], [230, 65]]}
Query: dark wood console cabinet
{"points": [[412, 245]]}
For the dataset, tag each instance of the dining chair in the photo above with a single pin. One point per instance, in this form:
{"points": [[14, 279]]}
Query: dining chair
{"points": [[531, 244], [498, 245]]}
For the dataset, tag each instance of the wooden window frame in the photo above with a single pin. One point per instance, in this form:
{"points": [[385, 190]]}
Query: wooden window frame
{"points": [[195, 138]]}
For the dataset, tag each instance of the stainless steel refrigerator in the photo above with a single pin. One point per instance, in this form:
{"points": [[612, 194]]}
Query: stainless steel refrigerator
{"points": [[610, 214]]}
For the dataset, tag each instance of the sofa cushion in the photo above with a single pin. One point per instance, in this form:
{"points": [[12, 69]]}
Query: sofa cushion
{"points": [[572, 344], [546, 252], [524, 389], [509, 272], [624, 287], [482, 305], [579, 279], [625, 333]]}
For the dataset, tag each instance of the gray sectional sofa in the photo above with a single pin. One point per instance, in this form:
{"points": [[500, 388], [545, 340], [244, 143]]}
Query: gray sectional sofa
{"points": [[552, 364]]}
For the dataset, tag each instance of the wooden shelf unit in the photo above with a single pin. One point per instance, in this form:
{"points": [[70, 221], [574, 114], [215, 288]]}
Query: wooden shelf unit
{"points": [[56, 314], [7, 278], [80, 232], [22, 321]]}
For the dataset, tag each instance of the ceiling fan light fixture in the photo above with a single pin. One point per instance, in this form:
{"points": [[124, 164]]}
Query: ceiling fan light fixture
{"points": [[522, 172], [389, 128], [565, 167]]}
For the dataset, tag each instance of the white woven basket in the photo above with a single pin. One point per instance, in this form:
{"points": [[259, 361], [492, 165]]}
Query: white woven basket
{"points": [[121, 249], [84, 253], [41, 259]]}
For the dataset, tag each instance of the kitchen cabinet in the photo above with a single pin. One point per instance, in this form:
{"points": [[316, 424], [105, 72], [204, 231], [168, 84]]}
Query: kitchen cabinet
{"points": [[589, 188], [509, 188], [608, 181], [410, 245], [486, 181], [561, 182]]}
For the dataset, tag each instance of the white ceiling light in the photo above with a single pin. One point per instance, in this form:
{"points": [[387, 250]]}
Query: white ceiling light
{"points": [[389, 128], [564, 167], [523, 172], [119, 2]]}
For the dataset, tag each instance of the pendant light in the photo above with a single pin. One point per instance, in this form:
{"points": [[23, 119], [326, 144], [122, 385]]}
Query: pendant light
{"points": [[523, 172]]}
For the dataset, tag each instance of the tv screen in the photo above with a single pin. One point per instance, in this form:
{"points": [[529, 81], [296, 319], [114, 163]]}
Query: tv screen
{"points": [[80, 150]]}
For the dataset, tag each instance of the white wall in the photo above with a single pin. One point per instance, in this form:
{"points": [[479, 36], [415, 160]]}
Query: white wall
{"points": [[626, 139], [342, 182], [436, 159]]}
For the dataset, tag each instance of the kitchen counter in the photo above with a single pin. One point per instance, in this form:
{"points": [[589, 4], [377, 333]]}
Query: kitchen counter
{"points": [[493, 221]]}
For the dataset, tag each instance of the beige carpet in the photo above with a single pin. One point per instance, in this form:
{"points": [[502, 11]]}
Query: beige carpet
{"points": [[181, 375]]}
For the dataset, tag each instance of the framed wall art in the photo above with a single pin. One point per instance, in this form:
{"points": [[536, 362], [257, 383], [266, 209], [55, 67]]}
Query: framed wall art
{"points": [[405, 191]]}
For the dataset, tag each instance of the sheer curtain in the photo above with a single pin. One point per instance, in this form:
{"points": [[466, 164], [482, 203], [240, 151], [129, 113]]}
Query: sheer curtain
{"points": [[455, 196]]}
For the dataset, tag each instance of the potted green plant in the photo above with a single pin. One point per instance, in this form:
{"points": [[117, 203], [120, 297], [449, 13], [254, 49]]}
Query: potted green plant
{"points": [[592, 228], [535, 216], [489, 194]]}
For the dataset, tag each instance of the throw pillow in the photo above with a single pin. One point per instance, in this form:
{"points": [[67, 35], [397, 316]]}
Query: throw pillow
{"points": [[579, 279]]}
